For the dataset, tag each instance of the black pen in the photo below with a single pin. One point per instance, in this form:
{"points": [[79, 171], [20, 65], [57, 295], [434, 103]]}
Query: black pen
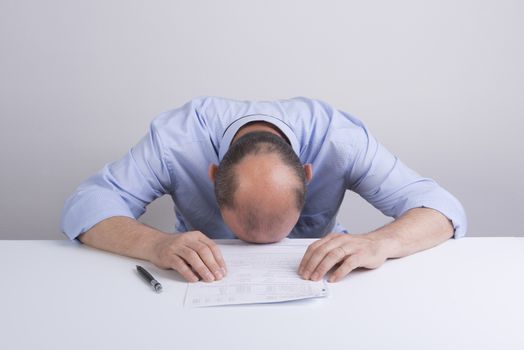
{"points": [[149, 278]]}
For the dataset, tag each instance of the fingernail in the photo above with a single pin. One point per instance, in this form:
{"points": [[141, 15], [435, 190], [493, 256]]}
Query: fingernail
{"points": [[210, 277], [218, 274], [223, 271], [314, 277]]}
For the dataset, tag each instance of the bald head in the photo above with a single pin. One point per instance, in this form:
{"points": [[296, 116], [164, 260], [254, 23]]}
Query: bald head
{"points": [[260, 187], [266, 200]]}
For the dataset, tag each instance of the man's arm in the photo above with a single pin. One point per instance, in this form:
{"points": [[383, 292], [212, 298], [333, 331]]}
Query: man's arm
{"points": [[102, 210], [416, 230], [192, 254], [397, 191]]}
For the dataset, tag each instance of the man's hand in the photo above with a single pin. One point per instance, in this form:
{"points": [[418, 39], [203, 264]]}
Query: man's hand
{"points": [[346, 250], [192, 254], [416, 230]]}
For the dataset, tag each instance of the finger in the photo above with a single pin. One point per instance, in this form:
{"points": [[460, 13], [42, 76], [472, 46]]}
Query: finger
{"points": [[312, 247], [206, 255], [182, 268], [311, 250], [320, 253], [311, 253], [333, 257], [193, 259], [351, 263], [216, 253]]}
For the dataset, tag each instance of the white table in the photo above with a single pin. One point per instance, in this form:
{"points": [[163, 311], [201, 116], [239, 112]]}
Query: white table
{"points": [[464, 294]]}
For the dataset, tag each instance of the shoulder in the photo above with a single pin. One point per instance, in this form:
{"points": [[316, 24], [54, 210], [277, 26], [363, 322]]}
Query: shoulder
{"points": [[192, 115], [322, 122]]}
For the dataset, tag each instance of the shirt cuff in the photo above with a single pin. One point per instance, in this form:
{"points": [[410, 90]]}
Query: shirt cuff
{"points": [[450, 208], [79, 216]]}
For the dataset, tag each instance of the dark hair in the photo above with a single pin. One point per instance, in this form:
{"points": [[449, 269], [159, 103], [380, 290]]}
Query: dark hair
{"points": [[253, 143]]}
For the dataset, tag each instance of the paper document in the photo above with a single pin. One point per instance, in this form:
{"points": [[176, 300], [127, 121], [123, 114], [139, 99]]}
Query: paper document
{"points": [[257, 274]]}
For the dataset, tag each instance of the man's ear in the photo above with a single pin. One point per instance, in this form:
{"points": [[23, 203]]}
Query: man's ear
{"points": [[308, 169], [212, 172]]}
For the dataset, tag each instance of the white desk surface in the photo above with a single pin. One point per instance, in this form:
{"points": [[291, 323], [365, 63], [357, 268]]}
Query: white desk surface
{"points": [[463, 294]]}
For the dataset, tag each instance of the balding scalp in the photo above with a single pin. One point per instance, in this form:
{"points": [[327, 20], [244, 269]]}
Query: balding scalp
{"points": [[254, 144]]}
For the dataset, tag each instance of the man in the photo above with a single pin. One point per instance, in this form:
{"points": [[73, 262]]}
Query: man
{"points": [[259, 171]]}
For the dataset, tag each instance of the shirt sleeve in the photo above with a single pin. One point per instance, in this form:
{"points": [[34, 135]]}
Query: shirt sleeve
{"points": [[121, 188], [393, 188]]}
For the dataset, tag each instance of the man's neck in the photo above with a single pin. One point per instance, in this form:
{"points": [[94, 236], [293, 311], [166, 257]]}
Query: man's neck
{"points": [[259, 126]]}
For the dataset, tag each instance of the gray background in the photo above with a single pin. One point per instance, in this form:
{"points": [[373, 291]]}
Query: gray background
{"points": [[438, 82]]}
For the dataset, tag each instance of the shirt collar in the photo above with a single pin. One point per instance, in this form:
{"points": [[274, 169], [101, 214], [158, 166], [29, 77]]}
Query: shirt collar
{"points": [[232, 129]]}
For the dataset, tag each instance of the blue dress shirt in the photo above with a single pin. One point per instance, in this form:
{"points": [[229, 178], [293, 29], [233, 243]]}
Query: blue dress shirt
{"points": [[173, 158]]}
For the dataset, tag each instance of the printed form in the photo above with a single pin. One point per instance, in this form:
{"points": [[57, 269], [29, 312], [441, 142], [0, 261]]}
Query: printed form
{"points": [[265, 273]]}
